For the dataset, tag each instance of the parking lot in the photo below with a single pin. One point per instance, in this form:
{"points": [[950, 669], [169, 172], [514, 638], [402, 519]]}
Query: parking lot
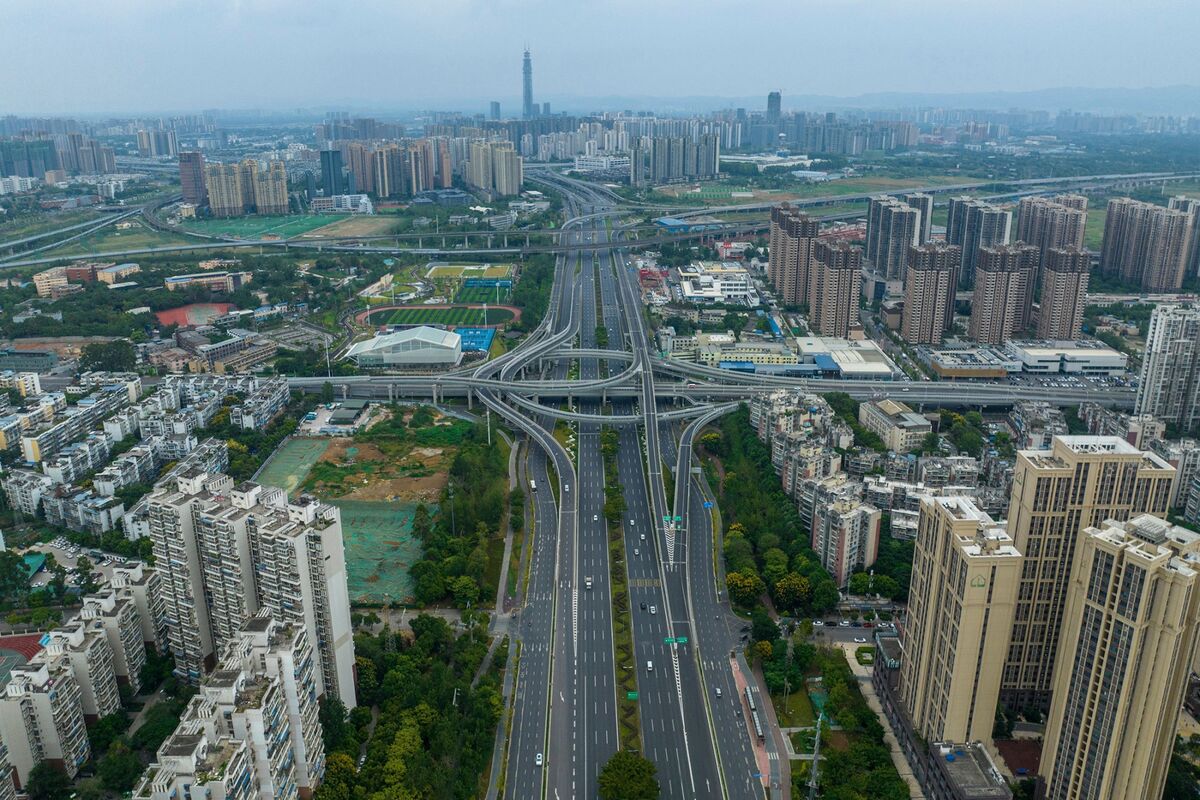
{"points": [[68, 554]]}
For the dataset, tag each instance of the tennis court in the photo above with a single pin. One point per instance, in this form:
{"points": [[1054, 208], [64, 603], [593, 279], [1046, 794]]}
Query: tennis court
{"points": [[289, 464], [380, 547]]}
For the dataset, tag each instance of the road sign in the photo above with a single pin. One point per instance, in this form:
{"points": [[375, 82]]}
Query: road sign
{"points": [[631, 695], [669, 640], [679, 519], [666, 519], [681, 640]]}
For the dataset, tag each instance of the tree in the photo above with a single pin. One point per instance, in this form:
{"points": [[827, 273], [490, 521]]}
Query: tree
{"points": [[763, 628], [465, 591], [628, 776], [792, 591], [83, 576], [106, 730], [744, 587], [326, 392], [115, 356], [47, 782], [332, 715], [860, 583], [120, 768]]}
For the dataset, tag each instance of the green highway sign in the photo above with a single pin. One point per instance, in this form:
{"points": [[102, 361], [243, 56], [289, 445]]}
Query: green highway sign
{"points": [[668, 640], [681, 640], [631, 695]]}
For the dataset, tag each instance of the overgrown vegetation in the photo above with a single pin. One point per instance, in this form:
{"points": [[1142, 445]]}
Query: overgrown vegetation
{"points": [[249, 449], [628, 723], [846, 407], [766, 546], [531, 293], [433, 732]]}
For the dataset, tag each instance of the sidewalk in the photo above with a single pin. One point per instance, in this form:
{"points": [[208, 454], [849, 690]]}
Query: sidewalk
{"points": [[863, 674]]}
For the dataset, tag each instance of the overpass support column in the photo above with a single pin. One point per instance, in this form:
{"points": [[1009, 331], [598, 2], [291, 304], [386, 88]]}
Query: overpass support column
{"points": [[527, 241], [470, 398]]}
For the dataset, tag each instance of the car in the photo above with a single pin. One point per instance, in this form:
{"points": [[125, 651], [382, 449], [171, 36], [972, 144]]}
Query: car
{"points": [[649, 666], [653, 609], [859, 640], [643, 537], [595, 517], [538, 759], [844, 623], [856, 624], [643, 606], [718, 688], [868, 625], [362, 760], [637, 552], [566, 487], [818, 623]]}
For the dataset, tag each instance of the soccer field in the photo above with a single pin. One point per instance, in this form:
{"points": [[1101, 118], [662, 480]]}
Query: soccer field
{"points": [[253, 227], [417, 315], [481, 294]]}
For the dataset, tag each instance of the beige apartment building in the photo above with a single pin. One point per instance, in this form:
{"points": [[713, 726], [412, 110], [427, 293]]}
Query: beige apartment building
{"points": [[833, 288], [792, 239], [1128, 637], [1078, 483], [1000, 305], [1146, 244], [1050, 223], [961, 603], [1064, 293], [929, 286]]}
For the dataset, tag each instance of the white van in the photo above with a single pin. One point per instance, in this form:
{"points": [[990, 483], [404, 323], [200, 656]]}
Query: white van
{"points": [[649, 666]]}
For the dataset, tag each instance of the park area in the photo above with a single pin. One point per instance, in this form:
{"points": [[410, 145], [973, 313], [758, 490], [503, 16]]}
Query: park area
{"points": [[256, 227], [464, 271]]}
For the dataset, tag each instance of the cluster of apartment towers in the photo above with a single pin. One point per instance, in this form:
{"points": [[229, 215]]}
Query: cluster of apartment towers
{"points": [[249, 595], [1083, 605], [1148, 245]]}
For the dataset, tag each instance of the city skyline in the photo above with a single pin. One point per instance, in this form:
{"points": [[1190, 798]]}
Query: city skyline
{"points": [[209, 58]]}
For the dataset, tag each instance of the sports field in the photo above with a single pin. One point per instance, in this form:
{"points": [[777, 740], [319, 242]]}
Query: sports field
{"points": [[379, 549], [481, 294], [416, 315], [254, 227], [469, 271], [289, 464]]}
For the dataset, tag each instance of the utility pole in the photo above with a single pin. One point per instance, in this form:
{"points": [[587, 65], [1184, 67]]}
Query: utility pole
{"points": [[813, 781]]}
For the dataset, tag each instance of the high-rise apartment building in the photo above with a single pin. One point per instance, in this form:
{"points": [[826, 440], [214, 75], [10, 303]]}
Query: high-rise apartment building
{"points": [[1065, 272], [793, 236], [271, 189], [528, 109], [333, 180], [845, 536], [223, 184], [1050, 223], [893, 227], [929, 288], [493, 167], [191, 178], [1124, 657], [1145, 244], [157, 144], [41, 717], [1191, 207], [924, 203], [1169, 387], [1080, 482], [834, 285], [117, 613], [1000, 305], [228, 551], [494, 111], [960, 611], [774, 106], [84, 644], [972, 224]]}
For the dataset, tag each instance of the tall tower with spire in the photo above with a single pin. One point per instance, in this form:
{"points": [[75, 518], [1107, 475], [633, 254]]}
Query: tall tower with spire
{"points": [[528, 110]]}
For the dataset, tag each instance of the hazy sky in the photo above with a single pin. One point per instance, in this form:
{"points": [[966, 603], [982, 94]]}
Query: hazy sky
{"points": [[63, 56]]}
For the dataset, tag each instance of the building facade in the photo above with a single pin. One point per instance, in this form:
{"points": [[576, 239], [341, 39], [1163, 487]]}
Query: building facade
{"points": [[1169, 388], [1000, 304], [1064, 282], [930, 283], [1145, 244], [834, 287]]}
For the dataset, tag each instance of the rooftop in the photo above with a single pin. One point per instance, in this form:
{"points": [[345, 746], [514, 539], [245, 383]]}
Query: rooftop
{"points": [[968, 768]]}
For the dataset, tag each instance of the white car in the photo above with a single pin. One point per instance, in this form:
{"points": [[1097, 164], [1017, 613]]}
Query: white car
{"points": [[538, 759], [818, 623], [595, 517], [637, 552], [653, 609], [844, 623], [859, 640]]}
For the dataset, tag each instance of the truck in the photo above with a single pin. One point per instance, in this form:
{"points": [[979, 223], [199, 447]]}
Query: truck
{"points": [[587, 582]]}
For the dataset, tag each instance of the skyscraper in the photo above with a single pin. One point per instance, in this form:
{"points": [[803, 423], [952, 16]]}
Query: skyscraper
{"points": [[1064, 292], [834, 286], [1124, 656], [528, 109], [1000, 305], [1080, 482], [972, 223], [793, 236], [929, 287], [332, 180], [893, 227], [494, 111], [1050, 222], [1169, 387], [271, 189], [191, 178], [923, 203], [223, 185], [1145, 244], [774, 106], [1190, 206], [960, 612]]}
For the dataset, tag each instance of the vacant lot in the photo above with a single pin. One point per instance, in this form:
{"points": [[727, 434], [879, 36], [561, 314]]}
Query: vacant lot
{"points": [[354, 226]]}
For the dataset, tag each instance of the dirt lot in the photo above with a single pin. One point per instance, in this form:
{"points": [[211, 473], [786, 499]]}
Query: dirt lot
{"points": [[354, 226], [388, 482]]}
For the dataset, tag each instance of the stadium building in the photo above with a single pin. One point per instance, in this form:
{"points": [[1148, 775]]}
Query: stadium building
{"points": [[414, 347]]}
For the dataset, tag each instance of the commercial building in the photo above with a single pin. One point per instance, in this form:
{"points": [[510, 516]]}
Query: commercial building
{"points": [[930, 282], [1170, 381], [1050, 223], [227, 282], [1080, 482], [225, 552], [1065, 273], [901, 429], [961, 604], [413, 347], [973, 224], [833, 288], [709, 282], [342, 204], [845, 537], [1145, 244], [1071, 357], [793, 236], [333, 174], [846, 358], [46, 281], [1000, 305], [1124, 657], [893, 229], [192, 177]]}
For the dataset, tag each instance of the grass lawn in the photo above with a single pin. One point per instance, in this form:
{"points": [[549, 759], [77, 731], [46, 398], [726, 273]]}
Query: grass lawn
{"points": [[253, 226], [481, 294], [1093, 230], [111, 240], [795, 711], [417, 315], [34, 224]]}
